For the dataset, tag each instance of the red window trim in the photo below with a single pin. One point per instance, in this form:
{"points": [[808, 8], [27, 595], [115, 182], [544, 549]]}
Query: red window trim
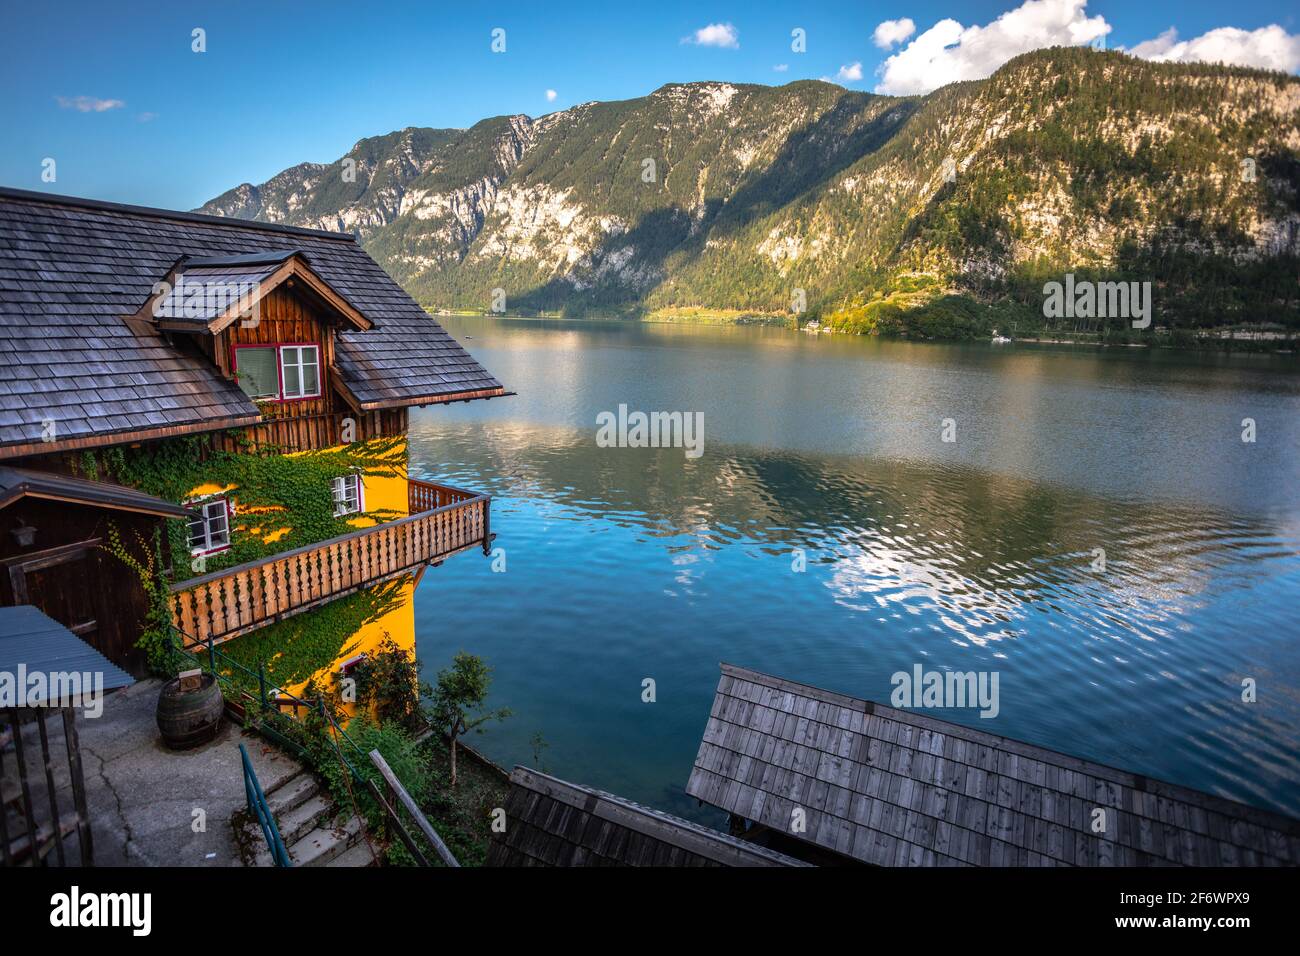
{"points": [[279, 369], [348, 666], [230, 523]]}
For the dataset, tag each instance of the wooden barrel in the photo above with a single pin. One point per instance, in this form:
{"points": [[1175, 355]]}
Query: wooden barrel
{"points": [[188, 718]]}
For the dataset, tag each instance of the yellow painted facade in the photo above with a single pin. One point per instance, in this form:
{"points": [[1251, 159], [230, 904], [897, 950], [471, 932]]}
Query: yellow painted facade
{"points": [[397, 623]]}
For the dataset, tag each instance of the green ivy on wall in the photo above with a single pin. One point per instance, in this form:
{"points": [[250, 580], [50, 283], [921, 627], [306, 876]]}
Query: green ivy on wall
{"points": [[299, 486]]}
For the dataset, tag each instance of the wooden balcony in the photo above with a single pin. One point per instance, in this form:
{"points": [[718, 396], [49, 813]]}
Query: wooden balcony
{"points": [[444, 521]]}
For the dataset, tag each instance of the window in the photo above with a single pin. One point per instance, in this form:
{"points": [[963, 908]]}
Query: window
{"points": [[278, 371], [210, 526], [347, 495], [299, 377]]}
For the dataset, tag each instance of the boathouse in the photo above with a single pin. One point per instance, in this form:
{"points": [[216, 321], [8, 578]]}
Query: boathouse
{"points": [[550, 822], [834, 778]]}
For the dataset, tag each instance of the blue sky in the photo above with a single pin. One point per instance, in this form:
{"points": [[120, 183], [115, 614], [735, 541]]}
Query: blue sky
{"points": [[282, 83]]}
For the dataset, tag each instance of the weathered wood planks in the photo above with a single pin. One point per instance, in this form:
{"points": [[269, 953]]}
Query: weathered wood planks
{"points": [[894, 787]]}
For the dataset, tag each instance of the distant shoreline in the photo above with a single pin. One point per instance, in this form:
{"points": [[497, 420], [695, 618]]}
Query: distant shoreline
{"points": [[1238, 341]]}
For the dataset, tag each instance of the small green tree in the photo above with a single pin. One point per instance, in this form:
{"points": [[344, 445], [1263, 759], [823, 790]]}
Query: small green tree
{"points": [[457, 700]]}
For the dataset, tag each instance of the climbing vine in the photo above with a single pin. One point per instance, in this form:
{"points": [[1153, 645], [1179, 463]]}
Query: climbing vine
{"points": [[272, 492], [146, 561]]}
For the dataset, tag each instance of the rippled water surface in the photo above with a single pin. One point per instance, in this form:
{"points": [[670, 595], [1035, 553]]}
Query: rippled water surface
{"points": [[979, 554]]}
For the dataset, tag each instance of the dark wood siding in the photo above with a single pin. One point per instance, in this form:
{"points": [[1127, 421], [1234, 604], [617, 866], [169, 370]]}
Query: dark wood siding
{"points": [[68, 574]]}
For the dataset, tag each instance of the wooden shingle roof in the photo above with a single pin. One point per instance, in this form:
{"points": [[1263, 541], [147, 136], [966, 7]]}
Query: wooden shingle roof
{"points": [[72, 269], [893, 788], [550, 822]]}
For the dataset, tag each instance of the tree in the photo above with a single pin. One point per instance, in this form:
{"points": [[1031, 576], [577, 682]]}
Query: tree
{"points": [[457, 700]]}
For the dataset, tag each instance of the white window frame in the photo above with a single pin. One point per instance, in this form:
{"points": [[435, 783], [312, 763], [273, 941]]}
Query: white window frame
{"points": [[210, 543], [300, 364], [340, 484]]}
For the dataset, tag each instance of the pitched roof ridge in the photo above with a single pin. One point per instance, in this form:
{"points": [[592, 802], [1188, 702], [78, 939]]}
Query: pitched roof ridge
{"points": [[526, 777], [153, 212]]}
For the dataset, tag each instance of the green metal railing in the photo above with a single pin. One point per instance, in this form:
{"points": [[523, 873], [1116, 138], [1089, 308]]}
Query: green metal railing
{"points": [[260, 809]]}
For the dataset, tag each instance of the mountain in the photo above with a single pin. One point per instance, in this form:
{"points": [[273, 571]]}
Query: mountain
{"points": [[874, 210]]}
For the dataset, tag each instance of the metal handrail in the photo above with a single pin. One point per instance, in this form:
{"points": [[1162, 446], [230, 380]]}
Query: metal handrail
{"points": [[258, 806]]}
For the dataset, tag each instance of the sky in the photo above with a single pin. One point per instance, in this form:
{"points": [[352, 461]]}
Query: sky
{"points": [[116, 95]]}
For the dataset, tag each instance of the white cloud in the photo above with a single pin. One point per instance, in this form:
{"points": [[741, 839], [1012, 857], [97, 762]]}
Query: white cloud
{"points": [[781, 67], [850, 73], [88, 104], [146, 117], [893, 31], [715, 34], [1269, 48], [551, 95], [948, 51]]}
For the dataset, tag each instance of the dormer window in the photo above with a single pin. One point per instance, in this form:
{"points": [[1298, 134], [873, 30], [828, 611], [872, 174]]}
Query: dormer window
{"points": [[278, 372]]}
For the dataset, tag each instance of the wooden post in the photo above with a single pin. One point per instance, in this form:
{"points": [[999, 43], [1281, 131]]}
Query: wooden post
{"points": [[395, 786]]}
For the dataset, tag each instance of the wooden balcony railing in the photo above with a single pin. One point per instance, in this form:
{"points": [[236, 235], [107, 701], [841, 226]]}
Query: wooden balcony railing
{"points": [[233, 601], [426, 496]]}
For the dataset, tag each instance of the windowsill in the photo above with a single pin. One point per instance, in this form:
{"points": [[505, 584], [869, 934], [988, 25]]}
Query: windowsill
{"points": [[206, 554]]}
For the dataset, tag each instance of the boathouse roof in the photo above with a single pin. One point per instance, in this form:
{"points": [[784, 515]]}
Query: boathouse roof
{"points": [[550, 822], [894, 787], [74, 274]]}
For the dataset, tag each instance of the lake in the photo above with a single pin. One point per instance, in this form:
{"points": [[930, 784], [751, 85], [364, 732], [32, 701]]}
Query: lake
{"points": [[830, 535]]}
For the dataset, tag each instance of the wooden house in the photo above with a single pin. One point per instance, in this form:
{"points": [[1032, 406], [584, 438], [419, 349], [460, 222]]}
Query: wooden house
{"points": [[122, 325], [835, 779]]}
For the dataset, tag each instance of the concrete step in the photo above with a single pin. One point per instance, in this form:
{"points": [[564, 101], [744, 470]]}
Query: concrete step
{"points": [[326, 843], [292, 794], [357, 855], [295, 824]]}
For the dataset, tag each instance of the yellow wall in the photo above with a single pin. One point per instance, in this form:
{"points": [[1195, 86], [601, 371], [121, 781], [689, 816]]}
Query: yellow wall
{"points": [[398, 624]]}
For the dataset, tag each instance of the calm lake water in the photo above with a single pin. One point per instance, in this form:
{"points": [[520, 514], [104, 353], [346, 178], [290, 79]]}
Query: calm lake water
{"points": [[978, 554]]}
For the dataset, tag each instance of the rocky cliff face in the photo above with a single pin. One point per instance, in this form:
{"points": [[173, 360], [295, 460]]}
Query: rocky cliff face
{"points": [[735, 196]]}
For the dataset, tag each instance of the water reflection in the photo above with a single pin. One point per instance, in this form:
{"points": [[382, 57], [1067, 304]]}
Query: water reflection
{"points": [[631, 563]]}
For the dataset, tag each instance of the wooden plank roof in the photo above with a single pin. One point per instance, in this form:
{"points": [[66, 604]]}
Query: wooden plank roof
{"points": [[72, 269], [550, 822], [18, 483], [894, 787]]}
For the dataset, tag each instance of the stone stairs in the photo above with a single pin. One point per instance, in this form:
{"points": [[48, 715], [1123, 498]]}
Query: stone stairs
{"points": [[310, 825]]}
